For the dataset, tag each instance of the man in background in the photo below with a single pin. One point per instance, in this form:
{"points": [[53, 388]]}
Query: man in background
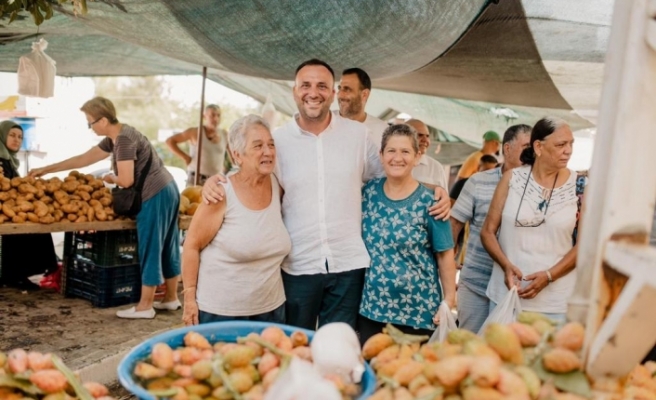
{"points": [[491, 145], [353, 92], [213, 149], [429, 171], [472, 207]]}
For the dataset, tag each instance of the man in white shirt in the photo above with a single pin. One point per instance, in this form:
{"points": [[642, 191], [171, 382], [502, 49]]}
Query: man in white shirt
{"points": [[429, 171], [353, 92], [322, 161]]}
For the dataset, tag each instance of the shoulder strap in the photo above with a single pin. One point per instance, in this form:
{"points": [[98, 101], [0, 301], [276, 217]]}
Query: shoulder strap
{"points": [[580, 187], [142, 177]]}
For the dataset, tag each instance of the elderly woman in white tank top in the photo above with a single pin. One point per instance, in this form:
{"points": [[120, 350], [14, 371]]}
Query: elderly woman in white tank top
{"points": [[233, 250], [535, 211]]}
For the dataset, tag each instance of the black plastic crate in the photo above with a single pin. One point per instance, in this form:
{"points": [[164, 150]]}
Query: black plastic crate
{"points": [[104, 286], [108, 248]]}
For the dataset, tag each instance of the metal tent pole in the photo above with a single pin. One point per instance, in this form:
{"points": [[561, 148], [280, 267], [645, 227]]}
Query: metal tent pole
{"points": [[199, 137]]}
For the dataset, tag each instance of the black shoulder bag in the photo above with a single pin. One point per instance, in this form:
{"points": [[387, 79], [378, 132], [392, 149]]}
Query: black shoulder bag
{"points": [[127, 201]]}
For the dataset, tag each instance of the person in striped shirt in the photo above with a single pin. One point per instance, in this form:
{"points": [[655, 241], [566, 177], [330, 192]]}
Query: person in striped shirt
{"points": [[472, 206]]}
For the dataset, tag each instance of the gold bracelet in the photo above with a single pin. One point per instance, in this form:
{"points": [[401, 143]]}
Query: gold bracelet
{"points": [[187, 289]]}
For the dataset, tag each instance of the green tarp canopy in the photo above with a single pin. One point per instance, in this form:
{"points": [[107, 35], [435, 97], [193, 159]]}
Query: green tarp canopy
{"points": [[457, 64]]}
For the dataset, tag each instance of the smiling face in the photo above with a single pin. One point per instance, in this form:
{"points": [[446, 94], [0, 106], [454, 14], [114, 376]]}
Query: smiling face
{"points": [[423, 136], [314, 92], [351, 96], [259, 153], [399, 157], [14, 139], [556, 149]]}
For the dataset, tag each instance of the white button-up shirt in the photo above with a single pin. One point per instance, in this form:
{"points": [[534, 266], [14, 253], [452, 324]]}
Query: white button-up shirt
{"points": [[322, 177], [429, 170]]}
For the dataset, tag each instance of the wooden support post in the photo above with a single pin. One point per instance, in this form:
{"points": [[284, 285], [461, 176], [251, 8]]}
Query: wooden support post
{"points": [[201, 128], [622, 190]]}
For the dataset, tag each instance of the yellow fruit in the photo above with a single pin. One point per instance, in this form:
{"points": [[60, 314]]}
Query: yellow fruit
{"points": [[195, 339], [184, 204], [504, 341], [241, 381], [403, 394], [570, 336], [239, 356], [384, 393], [451, 371], [543, 327], [416, 384], [408, 372], [389, 354], [193, 193], [530, 317], [478, 348], [531, 379], [389, 369], [198, 389], [268, 362], [478, 393], [147, 371], [528, 336], [272, 334], [201, 370], [568, 396], [484, 371], [426, 351], [640, 376], [638, 393], [299, 339], [510, 384], [461, 336], [560, 360]]}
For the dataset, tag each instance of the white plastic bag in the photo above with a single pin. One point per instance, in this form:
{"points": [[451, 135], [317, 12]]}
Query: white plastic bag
{"points": [[447, 324], [505, 312], [36, 72], [336, 351], [302, 381]]}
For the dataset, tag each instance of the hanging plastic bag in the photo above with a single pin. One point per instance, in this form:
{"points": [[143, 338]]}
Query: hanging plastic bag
{"points": [[36, 72], [269, 112], [302, 381], [505, 312], [447, 324]]}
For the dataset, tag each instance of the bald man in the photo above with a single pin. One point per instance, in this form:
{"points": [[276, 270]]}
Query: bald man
{"points": [[429, 171]]}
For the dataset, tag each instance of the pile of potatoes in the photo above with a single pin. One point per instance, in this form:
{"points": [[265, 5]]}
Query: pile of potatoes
{"points": [[33, 375], [190, 199], [78, 198]]}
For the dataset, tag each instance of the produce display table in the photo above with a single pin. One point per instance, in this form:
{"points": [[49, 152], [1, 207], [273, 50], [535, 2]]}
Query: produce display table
{"points": [[103, 285], [29, 227]]}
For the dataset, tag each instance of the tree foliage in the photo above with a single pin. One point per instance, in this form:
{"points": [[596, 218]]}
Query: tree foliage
{"points": [[40, 10], [146, 103]]}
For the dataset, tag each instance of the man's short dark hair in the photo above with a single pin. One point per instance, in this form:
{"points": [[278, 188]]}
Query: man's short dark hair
{"points": [[513, 131], [363, 77], [489, 159], [315, 61]]}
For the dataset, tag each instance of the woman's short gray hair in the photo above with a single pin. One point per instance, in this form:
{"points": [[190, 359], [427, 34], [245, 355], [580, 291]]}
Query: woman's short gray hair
{"points": [[400, 130], [237, 132]]}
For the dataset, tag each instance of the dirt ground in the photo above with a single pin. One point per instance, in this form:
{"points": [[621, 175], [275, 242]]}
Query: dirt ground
{"points": [[46, 321]]}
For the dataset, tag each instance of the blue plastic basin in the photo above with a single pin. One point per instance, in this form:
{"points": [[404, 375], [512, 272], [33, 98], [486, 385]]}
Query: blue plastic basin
{"points": [[214, 332]]}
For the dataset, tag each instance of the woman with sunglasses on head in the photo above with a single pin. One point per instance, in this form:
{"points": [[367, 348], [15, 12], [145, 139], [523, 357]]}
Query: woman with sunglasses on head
{"points": [[535, 211]]}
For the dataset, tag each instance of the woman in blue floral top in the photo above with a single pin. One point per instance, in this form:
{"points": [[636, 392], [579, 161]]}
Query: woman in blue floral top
{"points": [[406, 245]]}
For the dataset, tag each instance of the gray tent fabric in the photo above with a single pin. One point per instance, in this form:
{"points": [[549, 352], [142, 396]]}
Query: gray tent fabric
{"points": [[445, 61], [496, 60]]}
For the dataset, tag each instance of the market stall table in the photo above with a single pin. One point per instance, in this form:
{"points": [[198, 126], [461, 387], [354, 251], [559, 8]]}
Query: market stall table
{"points": [[71, 227]]}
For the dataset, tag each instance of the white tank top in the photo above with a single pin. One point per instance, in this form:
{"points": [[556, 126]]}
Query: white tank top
{"points": [[534, 249], [239, 271], [211, 163]]}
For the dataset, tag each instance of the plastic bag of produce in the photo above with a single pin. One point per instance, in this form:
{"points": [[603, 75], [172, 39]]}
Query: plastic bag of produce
{"points": [[336, 351], [302, 381], [505, 312], [447, 324]]}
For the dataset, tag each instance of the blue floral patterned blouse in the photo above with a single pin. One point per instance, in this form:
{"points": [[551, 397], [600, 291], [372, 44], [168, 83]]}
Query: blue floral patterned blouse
{"points": [[402, 285]]}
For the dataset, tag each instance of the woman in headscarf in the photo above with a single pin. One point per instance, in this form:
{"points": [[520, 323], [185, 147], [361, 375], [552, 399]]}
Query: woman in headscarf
{"points": [[18, 262]]}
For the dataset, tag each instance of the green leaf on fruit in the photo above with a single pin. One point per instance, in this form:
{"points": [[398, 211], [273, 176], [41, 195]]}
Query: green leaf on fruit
{"points": [[572, 382], [25, 387]]}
